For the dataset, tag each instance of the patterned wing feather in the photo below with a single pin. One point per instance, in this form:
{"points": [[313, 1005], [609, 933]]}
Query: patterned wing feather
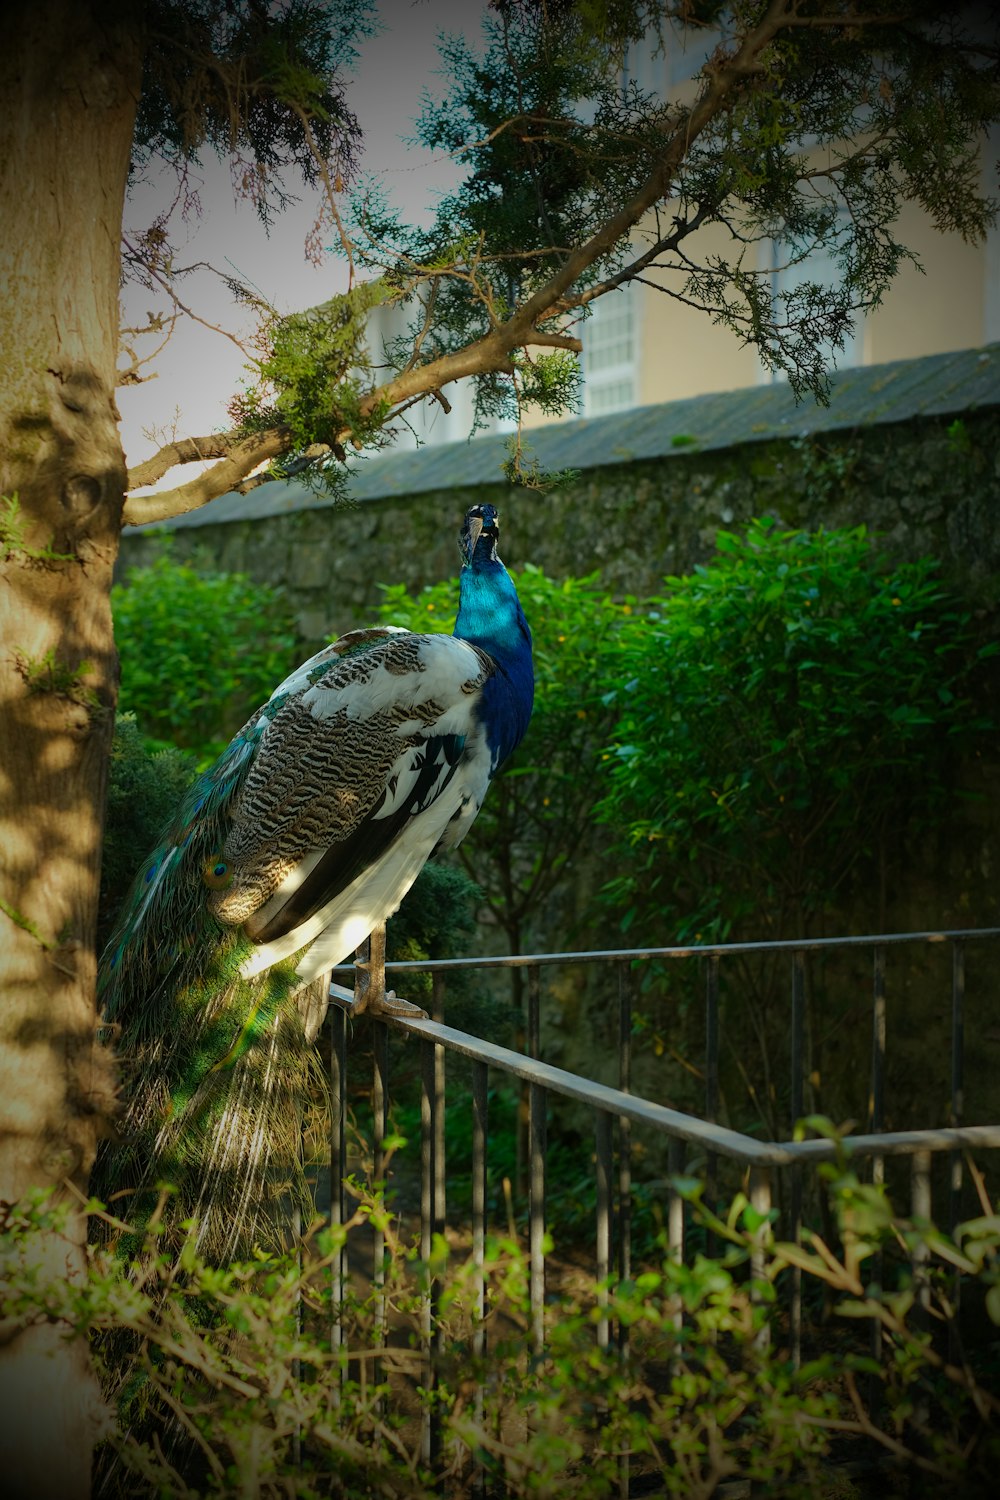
{"points": [[351, 755]]}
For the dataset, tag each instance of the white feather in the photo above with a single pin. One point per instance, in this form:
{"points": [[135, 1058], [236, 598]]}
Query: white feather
{"points": [[446, 664], [404, 776]]}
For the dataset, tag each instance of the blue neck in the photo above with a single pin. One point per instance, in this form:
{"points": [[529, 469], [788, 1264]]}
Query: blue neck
{"points": [[490, 617], [490, 613]]}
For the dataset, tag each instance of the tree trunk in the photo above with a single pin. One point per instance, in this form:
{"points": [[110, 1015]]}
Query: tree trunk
{"points": [[70, 75]]}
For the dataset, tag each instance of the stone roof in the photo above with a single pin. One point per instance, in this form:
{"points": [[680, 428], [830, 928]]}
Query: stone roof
{"points": [[933, 386]]}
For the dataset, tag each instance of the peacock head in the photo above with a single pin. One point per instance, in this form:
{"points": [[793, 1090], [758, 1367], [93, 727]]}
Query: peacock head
{"points": [[480, 529]]}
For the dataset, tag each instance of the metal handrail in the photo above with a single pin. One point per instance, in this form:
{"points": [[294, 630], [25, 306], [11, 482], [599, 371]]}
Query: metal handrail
{"points": [[678, 1125], [619, 1106], [679, 951]]}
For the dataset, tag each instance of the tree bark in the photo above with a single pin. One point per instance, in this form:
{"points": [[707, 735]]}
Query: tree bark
{"points": [[70, 75]]}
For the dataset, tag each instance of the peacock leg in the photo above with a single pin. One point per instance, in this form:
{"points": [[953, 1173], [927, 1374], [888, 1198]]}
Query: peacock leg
{"points": [[370, 993]]}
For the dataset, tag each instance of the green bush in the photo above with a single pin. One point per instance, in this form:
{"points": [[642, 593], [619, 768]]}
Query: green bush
{"points": [[225, 1382], [199, 652], [783, 713]]}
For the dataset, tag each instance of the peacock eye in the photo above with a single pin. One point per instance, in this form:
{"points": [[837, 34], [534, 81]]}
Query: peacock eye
{"points": [[217, 874]]}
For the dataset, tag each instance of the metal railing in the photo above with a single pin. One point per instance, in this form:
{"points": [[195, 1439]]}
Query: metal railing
{"points": [[617, 1107]]}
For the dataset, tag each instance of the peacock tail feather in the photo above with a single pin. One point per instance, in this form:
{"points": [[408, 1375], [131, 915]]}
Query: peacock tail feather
{"points": [[215, 1066]]}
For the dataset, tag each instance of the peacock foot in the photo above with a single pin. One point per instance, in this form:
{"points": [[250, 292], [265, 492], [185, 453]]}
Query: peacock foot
{"points": [[388, 1003], [373, 1003], [370, 993]]}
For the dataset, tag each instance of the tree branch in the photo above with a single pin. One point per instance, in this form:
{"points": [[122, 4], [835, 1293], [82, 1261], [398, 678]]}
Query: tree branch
{"points": [[183, 451], [305, 460], [725, 75], [331, 197], [241, 457], [494, 350], [555, 340], [632, 272], [425, 327], [167, 286]]}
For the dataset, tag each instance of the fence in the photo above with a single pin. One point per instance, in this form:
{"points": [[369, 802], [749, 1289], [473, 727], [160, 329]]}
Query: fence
{"points": [[762, 1160]]}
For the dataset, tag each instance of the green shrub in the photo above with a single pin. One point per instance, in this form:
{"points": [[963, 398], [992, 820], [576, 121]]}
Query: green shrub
{"points": [[225, 1381], [199, 652], [783, 713]]}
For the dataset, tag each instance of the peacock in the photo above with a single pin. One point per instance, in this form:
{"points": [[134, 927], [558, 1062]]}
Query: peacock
{"points": [[299, 841]]}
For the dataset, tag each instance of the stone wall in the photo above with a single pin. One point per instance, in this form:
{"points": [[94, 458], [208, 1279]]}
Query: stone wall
{"points": [[928, 487]]}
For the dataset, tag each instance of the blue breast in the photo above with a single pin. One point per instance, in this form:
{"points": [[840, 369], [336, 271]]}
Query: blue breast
{"points": [[490, 617]]}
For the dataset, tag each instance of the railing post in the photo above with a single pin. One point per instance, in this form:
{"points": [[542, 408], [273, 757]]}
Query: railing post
{"points": [[532, 1042], [380, 1106], [795, 1204], [876, 1113], [536, 1200], [534, 1012], [480, 1138], [430, 1424], [957, 1075], [338, 1168], [920, 1208], [711, 1083], [624, 1131], [440, 1172], [957, 1114], [761, 1198], [369, 971], [603, 1156], [876, 1101], [675, 1214], [624, 1175]]}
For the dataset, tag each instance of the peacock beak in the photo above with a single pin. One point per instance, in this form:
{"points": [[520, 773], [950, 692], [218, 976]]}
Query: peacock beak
{"points": [[475, 532]]}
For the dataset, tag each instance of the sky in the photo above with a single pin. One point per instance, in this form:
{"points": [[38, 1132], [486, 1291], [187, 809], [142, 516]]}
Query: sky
{"points": [[199, 370]]}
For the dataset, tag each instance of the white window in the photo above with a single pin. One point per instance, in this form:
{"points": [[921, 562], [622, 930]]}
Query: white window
{"points": [[791, 270], [610, 353], [426, 423]]}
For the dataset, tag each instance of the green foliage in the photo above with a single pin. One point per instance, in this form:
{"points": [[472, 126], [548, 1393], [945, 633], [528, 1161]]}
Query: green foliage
{"points": [[260, 83], [438, 917], [537, 821], [199, 652], [576, 181], [12, 538], [47, 674], [554, 146], [26, 924], [224, 1381], [311, 378], [781, 711], [436, 920]]}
